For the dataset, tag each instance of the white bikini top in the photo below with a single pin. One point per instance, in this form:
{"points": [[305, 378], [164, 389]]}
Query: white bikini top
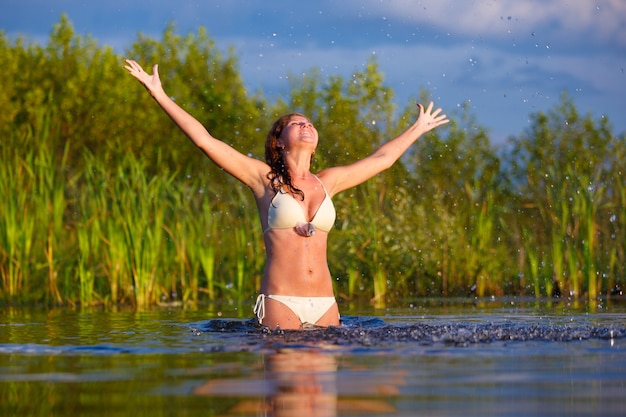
{"points": [[286, 213]]}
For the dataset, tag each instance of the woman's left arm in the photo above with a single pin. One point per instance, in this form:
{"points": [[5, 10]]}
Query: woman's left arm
{"points": [[338, 179]]}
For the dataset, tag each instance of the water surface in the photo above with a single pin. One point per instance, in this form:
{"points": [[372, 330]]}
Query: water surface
{"points": [[497, 357]]}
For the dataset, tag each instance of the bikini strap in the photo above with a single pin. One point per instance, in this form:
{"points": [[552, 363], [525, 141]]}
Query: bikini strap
{"points": [[321, 183], [259, 308]]}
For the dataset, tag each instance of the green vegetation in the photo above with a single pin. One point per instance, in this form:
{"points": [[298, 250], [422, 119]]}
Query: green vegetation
{"points": [[105, 202]]}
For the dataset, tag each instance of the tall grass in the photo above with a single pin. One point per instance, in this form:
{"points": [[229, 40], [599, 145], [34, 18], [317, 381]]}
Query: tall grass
{"points": [[587, 203], [138, 207], [17, 224], [33, 216], [479, 231], [203, 232], [112, 232]]}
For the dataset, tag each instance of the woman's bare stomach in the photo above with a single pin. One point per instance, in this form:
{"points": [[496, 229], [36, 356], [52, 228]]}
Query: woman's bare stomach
{"points": [[296, 266]]}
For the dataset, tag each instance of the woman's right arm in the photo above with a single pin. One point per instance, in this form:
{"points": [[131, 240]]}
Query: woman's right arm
{"points": [[248, 170]]}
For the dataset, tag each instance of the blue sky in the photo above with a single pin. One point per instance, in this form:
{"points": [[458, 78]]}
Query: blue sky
{"points": [[507, 58]]}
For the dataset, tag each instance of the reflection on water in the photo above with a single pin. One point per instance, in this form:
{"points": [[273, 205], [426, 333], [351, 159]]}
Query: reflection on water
{"points": [[304, 382], [301, 383], [443, 361]]}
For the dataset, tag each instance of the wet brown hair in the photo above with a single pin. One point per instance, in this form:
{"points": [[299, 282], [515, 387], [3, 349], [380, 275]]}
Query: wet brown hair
{"points": [[279, 174]]}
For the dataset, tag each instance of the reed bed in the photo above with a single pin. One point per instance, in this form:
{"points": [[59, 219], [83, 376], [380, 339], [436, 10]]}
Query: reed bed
{"points": [[115, 234]]}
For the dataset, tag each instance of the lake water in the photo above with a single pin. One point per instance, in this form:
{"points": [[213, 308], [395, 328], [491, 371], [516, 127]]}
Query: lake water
{"points": [[430, 358]]}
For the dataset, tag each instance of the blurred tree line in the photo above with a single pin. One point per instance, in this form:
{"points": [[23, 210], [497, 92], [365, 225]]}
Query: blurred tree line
{"points": [[106, 202]]}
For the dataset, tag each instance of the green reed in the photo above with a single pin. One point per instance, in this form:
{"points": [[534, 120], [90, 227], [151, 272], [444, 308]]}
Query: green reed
{"points": [[248, 241], [138, 209], [617, 225], [33, 217], [529, 243], [115, 266], [182, 268], [371, 238], [17, 224], [353, 278], [118, 235], [100, 257], [110, 232], [586, 204], [191, 228], [91, 207], [202, 250], [479, 237], [87, 246]]}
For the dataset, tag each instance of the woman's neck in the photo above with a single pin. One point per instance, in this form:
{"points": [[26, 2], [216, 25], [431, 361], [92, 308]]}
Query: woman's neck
{"points": [[299, 167]]}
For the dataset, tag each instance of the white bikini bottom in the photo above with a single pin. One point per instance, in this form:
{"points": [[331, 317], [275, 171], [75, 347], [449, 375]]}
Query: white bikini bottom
{"points": [[308, 309]]}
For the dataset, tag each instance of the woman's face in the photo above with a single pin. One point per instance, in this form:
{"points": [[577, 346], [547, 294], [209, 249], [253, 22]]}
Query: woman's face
{"points": [[298, 130]]}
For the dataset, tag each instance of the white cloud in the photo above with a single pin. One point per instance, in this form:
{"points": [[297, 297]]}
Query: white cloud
{"points": [[602, 20]]}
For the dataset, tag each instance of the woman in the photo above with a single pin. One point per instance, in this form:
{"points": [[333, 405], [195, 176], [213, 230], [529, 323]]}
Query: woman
{"points": [[294, 204]]}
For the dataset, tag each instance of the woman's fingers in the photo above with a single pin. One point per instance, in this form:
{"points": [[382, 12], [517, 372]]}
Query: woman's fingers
{"points": [[432, 118], [133, 67]]}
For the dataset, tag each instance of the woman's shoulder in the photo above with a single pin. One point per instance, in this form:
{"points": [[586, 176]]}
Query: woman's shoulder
{"points": [[329, 177]]}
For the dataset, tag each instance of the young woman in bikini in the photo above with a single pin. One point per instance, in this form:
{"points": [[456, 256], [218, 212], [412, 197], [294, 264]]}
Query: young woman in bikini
{"points": [[294, 205]]}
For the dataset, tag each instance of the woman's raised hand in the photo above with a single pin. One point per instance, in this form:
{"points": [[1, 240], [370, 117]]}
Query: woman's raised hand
{"points": [[429, 119], [151, 82]]}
